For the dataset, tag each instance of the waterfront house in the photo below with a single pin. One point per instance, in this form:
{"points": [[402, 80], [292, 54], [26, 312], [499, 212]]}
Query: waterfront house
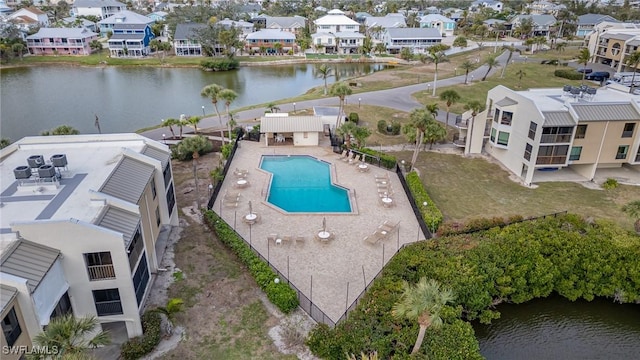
{"points": [[266, 40], [185, 39], [573, 129], [100, 8], [419, 40], [124, 17], [292, 24], [337, 34], [130, 40], [443, 24], [84, 225], [61, 41]]}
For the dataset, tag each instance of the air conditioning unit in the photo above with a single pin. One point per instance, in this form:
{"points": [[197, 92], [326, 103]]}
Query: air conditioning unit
{"points": [[22, 172], [35, 161], [59, 160], [46, 171]]}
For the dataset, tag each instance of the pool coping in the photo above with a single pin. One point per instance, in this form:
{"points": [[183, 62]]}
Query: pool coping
{"points": [[264, 192]]}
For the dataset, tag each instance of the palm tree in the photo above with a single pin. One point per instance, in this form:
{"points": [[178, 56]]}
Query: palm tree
{"points": [[466, 66], [169, 123], [633, 60], [432, 109], [583, 58], [361, 133], [278, 48], [346, 130], [62, 130], [451, 97], [70, 335], [194, 121], [435, 131], [182, 122], [491, 62], [273, 107], [419, 119], [341, 90], [228, 96], [4, 142], [232, 123], [424, 303], [380, 48], [561, 46], [324, 71], [633, 210], [520, 74], [436, 57], [170, 310], [212, 92], [475, 106], [511, 49]]}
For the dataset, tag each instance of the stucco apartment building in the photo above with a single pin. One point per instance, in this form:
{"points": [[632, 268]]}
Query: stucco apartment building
{"points": [[84, 224], [579, 129], [612, 42]]}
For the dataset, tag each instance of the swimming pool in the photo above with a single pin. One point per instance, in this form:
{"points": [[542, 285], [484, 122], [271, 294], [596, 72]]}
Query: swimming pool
{"points": [[303, 184]]}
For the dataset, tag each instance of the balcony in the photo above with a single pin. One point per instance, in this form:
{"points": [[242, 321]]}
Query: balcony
{"points": [[555, 138], [551, 160], [463, 124], [105, 308], [458, 141], [101, 272]]}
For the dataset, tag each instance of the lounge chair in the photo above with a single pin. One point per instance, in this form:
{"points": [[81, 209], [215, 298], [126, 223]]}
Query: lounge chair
{"points": [[240, 172], [371, 239], [230, 202], [388, 226], [348, 158], [286, 239], [272, 238], [232, 195], [385, 176], [343, 155], [300, 240], [354, 160]]}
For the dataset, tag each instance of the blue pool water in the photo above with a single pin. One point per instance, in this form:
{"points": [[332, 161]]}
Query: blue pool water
{"points": [[303, 184]]}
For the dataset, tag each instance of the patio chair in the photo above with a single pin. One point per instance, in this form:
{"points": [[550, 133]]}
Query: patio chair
{"points": [[348, 158], [343, 155], [240, 172], [300, 240], [388, 225], [354, 160], [384, 176], [286, 239], [272, 238], [233, 195], [371, 239], [231, 202]]}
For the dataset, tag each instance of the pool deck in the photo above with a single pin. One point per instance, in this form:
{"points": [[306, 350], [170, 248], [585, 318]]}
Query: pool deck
{"points": [[334, 265]]}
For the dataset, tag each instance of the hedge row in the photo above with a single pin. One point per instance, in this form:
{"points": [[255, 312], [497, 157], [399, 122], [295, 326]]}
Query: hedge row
{"points": [[516, 263], [280, 294], [477, 224], [430, 213], [568, 74], [386, 160], [141, 345], [223, 64]]}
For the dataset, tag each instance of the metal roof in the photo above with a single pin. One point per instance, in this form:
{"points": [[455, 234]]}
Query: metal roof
{"points": [[593, 19], [68, 33], [187, 31], [558, 118], [291, 124], [157, 154], [605, 112], [115, 37], [30, 261], [616, 35], [128, 180], [97, 3], [121, 221], [7, 293], [414, 33], [507, 101]]}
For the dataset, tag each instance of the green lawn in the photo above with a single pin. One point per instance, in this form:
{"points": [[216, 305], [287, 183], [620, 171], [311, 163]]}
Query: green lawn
{"points": [[535, 76], [465, 188]]}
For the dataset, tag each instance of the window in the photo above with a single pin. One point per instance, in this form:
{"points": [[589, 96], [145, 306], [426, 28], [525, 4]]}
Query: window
{"points": [[552, 154], [628, 130], [532, 130], [153, 188], [141, 278], [503, 138], [63, 307], [171, 199], [506, 118], [157, 215], [527, 151], [493, 135], [496, 115], [107, 302], [556, 134], [575, 153], [135, 248], [581, 131], [99, 265], [11, 327], [622, 152]]}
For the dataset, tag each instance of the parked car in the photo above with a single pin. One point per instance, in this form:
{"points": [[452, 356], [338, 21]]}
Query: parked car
{"points": [[598, 76], [585, 70]]}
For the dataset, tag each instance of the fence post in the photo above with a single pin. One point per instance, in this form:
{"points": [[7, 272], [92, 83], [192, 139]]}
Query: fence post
{"points": [[346, 302], [364, 279], [311, 291]]}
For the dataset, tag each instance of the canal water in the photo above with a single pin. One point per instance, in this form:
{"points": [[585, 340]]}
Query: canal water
{"points": [[556, 328], [125, 99]]}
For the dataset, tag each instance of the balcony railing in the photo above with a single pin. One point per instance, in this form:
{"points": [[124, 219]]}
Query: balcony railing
{"points": [[462, 123], [104, 308], [637, 158], [459, 141], [101, 272], [551, 160], [554, 138]]}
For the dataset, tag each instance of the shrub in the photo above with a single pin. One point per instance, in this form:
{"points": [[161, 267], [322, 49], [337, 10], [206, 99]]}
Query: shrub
{"points": [[395, 128], [280, 294], [386, 160], [222, 64], [382, 126], [141, 345], [430, 213], [568, 74], [610, 184], [226, 150], [186, 147], [354, 117]]}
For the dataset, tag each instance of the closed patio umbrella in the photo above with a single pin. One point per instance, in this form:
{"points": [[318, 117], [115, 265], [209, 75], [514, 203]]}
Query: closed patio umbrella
{"points": [[324, 224], [250, 210]]}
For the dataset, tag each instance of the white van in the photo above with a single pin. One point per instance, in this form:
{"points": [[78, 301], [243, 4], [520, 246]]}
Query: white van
{"points": [[625, 78]]}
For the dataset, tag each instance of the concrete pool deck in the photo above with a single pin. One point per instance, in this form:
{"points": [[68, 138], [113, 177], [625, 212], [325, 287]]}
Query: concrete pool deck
{"points": [[337, 263]]}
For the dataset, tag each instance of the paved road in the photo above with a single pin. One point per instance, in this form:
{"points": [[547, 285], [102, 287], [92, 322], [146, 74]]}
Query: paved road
{"points": [[397, 98]]}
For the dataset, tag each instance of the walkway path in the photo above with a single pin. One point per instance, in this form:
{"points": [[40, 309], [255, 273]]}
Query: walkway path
{"points": [[397, 98]]}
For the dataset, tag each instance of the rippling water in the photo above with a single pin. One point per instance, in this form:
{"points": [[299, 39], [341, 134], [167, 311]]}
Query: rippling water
{"points": [[556, 328]]}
